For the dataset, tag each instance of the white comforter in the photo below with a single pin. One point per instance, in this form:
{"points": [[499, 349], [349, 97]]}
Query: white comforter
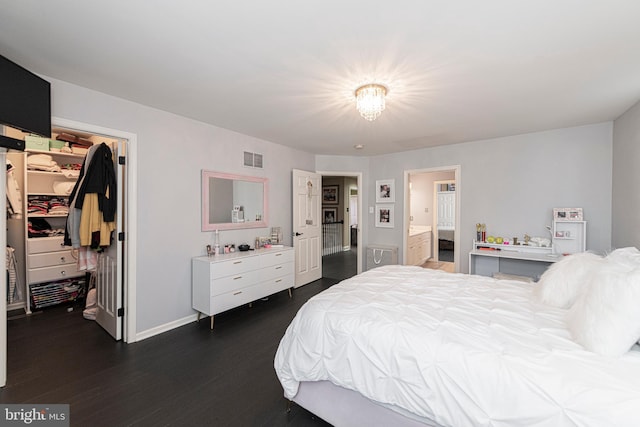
{"points": [[457, 349]]}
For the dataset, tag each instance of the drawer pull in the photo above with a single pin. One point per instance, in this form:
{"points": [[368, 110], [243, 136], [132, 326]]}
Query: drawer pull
{"points": [[63, 273], [62, 259], [236, 278], [238, 262], [279, 280], [279, 267], [237, 293], [278, 254]]}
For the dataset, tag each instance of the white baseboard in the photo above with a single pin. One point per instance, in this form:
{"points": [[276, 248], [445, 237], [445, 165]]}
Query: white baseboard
{"points": [[166, 327]]}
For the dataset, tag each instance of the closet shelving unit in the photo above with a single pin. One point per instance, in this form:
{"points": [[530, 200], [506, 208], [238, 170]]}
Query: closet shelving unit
{"points": [[46, 268]]}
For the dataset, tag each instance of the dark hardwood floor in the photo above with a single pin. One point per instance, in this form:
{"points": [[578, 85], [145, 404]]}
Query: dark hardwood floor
{"points": [[189, 376]]}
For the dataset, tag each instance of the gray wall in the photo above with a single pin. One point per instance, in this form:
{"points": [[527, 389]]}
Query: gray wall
{"points": [[172, 151], [511, 183], [626, 179]]}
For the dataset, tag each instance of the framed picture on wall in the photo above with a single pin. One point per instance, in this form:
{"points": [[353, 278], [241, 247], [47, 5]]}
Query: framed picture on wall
{"points": [[329, 215], [330, 195], [384, 216], [385, 191], [567, 214]]}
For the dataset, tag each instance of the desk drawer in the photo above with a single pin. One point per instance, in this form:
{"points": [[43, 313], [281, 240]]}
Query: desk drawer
{"points": [[49, 259]]}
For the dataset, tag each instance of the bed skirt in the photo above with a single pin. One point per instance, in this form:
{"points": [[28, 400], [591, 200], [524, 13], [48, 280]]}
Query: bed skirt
{"points": [[341, 407]]}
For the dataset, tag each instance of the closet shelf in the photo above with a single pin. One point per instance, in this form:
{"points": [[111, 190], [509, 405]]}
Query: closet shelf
{"points": [[47, 215], [44, 193], [57, 154], [48, 173]]}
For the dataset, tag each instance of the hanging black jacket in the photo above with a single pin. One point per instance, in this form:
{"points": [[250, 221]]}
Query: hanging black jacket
{"points": [[100, 178]]}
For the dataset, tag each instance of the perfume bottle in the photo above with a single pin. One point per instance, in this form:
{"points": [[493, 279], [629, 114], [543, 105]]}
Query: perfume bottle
{"points": [[216, 243]]}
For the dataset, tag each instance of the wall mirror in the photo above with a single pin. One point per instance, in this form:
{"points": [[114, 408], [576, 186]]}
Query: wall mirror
{"points": [[233, 201]]}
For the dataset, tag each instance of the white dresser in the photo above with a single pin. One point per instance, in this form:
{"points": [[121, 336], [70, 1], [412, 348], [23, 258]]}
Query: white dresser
{"points": [[222, 282]]}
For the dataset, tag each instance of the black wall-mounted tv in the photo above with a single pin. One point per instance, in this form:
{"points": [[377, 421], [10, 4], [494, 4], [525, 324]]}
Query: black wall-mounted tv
{"points": [[25, 99]]}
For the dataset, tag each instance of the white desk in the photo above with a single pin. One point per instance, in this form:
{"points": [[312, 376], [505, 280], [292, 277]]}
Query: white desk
{"points": [[530, 264]]}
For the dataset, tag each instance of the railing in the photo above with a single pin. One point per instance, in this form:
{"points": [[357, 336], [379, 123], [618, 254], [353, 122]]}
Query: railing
{"points": [[332, 237]]}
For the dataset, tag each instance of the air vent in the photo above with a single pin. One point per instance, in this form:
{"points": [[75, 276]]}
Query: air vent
{"points": [[253, 160]]}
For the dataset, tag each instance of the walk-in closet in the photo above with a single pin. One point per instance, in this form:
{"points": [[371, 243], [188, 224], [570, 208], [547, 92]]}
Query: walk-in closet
{"points": [[64, 220]]}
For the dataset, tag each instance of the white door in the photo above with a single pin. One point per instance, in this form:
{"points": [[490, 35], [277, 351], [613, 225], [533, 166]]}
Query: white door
{"points": [[446, 210], [109, 272], [307, 226]]}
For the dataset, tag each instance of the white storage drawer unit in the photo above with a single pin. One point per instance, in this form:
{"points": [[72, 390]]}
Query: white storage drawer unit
{"points": [[48, 260], [222, 282]]}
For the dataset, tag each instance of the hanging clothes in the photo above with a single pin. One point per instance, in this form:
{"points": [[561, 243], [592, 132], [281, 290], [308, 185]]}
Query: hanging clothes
{"points": [[14, 292], [14, 196], [92, 206], [72, 231], [100, 179]]}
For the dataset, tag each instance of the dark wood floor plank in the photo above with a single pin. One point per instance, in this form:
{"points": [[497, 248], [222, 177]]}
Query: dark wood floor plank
{"points": [[189, 376]]}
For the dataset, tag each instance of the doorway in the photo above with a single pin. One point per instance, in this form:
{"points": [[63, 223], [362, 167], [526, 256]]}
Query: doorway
{"points": [[123, 267], [432, 216], [341, 217]]}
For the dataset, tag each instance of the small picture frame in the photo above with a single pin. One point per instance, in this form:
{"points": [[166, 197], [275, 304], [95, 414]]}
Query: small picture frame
{"points": [[567, 214], [384, 216], [385, 191], [329, 215], [330, 195]]}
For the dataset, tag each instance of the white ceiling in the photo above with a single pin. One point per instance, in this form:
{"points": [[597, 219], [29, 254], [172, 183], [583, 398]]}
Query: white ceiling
{"points": [[285, 70]]}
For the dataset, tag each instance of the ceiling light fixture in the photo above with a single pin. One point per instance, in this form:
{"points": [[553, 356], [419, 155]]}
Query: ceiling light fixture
{"points": [[370, 100]]}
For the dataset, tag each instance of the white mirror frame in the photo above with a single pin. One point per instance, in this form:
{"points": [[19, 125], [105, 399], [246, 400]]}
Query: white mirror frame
{"points": [[207, 226]]}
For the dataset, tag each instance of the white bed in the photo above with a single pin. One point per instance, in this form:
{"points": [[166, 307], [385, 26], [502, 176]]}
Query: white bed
{"points": [[427, 347]]}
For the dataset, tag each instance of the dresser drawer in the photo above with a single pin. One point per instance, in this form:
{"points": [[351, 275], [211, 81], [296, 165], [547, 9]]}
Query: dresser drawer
{"points": [[47, 274], [224, 302], [237, 281], [276, 258], [277, 284], [234, 266], [49, 259], [46, 244], [274, 271]]}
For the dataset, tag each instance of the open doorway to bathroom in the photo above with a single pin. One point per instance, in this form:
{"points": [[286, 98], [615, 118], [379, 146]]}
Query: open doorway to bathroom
{"points": [[431, 218]]}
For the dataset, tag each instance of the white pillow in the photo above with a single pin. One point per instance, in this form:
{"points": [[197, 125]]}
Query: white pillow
{"points": [[561, 284], [625, 257], [606, 318]]}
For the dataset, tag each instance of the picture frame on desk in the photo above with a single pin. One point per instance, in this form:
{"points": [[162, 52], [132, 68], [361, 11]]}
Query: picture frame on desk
{"points": [[568, 214]]}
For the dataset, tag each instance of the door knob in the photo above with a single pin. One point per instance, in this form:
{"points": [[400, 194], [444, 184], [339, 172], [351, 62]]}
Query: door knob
{"points": [[296, 234]]}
